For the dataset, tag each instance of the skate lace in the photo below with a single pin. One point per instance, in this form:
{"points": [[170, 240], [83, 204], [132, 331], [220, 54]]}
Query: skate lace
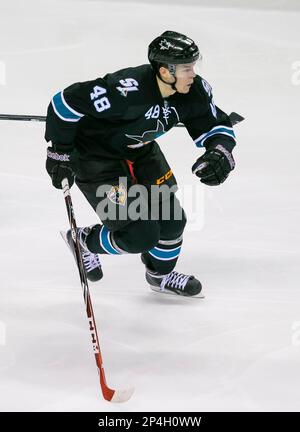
{"points": [[90, 261], [175, 280]]}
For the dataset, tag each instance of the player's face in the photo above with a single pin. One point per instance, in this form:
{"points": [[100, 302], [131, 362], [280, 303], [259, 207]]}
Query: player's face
{"points": [[185, 74]]}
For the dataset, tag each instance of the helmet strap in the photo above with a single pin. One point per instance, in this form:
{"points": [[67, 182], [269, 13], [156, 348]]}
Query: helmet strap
{"points": [[173, 85], [172, 70]]}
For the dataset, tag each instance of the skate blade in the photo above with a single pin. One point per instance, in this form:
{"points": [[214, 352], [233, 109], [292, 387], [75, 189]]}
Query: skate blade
{"points": [[171, 293], [64, 237]]}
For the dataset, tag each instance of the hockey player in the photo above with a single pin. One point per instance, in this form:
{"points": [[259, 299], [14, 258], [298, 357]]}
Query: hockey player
{"points": [[103, 135]]}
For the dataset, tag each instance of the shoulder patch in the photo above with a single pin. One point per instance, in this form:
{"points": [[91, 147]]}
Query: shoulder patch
{"points": [[127, 85], [206, 86]]}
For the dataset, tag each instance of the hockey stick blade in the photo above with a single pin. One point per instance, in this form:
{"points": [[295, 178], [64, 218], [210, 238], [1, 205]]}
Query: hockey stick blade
{"points": [[120, 396]]}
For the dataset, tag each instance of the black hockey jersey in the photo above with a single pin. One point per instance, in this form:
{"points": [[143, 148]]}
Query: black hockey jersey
{"points": [[117, 115]]}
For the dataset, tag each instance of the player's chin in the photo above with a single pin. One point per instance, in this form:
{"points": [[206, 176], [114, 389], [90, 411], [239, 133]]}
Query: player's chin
{"points": [[185, 89]]}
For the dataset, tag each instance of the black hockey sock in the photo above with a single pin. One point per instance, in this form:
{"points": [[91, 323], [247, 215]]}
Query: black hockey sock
{"points": [[100, 241], [163, 257], [136, 237]]}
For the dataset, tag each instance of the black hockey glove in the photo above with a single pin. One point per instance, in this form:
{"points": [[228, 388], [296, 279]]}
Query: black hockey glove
{"points": [[58, 166], [214, 166]]}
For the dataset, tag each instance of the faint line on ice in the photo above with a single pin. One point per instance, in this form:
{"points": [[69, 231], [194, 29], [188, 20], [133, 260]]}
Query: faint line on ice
{"points": [[42, 50], [22, 176]]}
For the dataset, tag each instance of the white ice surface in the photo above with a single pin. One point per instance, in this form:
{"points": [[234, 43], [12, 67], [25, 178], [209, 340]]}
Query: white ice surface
{"points": [[239, 349]]}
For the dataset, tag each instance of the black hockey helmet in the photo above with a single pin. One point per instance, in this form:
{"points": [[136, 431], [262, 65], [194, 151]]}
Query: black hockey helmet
{"points": [[172, 48]]}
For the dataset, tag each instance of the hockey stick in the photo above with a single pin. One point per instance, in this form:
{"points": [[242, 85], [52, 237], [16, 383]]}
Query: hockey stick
{"points": [[22, 117], [234, 118], [108, 394]]}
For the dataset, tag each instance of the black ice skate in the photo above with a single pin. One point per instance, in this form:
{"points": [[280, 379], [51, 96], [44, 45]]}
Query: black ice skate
{"points": [[174, 283], [90, 260]]}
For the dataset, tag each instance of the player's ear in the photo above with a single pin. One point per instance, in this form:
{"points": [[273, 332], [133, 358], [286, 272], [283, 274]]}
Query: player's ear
{"points": [[164, 72]]}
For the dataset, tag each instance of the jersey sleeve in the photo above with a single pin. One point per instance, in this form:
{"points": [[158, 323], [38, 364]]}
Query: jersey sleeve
{"points": [[207, 124], [68, 107]]}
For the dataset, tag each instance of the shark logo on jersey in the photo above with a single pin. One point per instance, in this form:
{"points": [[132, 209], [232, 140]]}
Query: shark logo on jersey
{"points": [[165, 45], [147, 136]]}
